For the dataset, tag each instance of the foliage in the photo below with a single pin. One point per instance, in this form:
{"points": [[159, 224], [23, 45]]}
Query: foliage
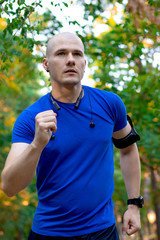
{"points": [[21, 25], [19, 89], [122, 59], [17, 213]]}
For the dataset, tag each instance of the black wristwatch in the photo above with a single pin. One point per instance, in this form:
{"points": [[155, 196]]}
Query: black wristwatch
{"points": [[136, 201]]}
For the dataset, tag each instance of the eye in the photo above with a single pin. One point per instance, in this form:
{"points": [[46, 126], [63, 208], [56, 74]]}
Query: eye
{"points": [[61, 53], [77, 54]]}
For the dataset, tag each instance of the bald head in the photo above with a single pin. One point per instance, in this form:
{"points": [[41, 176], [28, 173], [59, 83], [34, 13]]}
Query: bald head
{"points": [[62, 36]]}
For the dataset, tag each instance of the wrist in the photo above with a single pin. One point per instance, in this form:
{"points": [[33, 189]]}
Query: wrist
{"points": [[36, 146], [138, 202], [133, 207]]}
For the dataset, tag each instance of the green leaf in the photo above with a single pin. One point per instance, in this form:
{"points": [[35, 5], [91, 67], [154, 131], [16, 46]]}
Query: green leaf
{"points": [[6, 7], [65, 4], [11, 6]]}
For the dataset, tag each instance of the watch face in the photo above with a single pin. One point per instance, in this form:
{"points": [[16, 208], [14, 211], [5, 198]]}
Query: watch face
{"points": [[141, 201]]}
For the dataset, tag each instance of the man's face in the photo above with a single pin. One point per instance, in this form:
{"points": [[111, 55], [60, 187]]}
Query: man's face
{"points": [[66, 62]]}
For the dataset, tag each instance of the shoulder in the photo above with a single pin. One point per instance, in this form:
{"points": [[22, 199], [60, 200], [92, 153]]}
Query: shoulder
{"points": [[99, 91], [110, 103], [42, 104], [109, 97], [24, 127], [27, 116]]}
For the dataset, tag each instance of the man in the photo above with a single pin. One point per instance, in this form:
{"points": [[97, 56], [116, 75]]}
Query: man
{"points": [[66, 137]]}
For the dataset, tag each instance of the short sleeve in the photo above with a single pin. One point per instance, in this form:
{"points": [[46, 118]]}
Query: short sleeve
{"points": [[24, 128], [120, 114]]}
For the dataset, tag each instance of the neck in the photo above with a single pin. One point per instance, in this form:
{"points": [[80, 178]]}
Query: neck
{"points": [[67, 94]]}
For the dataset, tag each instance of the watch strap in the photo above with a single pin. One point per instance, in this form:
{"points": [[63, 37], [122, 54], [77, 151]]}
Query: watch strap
{"points": [[136, 201]]}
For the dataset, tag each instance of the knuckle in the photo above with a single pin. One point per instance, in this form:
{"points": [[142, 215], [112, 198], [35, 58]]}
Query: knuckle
{"points": [[38, 121], [40, 124], [36, 118], [54, 128]]}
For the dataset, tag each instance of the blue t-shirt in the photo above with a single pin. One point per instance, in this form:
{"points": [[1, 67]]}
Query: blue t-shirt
{"points": [[75, 169]]}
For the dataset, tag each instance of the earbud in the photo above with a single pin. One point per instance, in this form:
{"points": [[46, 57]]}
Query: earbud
{"points": [[52, 137], [92, 124]]}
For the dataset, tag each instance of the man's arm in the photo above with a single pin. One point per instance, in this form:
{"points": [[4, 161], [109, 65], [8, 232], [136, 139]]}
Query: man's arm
{"points": [[19, 168], [130, 166], [23, 158]]}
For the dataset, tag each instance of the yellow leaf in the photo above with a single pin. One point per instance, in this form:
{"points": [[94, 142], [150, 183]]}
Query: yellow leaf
{"points": [[103, 55], [114, 10], [5, 109], [151, 104], [24, 194], [25, 203], [9, 121], [11, 78], [37, 48], [7, 203], [99, 20], [130, 114], [155, 119], [147, 43], [26, 51], [111, 21], [13, 86], [108, 85], [3, 23], [6, 149]]}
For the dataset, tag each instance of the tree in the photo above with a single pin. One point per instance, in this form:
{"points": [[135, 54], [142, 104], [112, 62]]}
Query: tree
{"points": [[23, 26], [122, 60]]}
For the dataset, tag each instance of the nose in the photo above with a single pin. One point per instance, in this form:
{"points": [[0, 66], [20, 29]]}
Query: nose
{"points": [[70, 59]]}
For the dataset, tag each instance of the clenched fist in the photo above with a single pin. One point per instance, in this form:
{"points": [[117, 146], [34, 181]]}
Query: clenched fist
{"points": [[46, 123]]}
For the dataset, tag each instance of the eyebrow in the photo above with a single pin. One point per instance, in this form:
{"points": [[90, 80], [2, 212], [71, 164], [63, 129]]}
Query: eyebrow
{"points": [[66, 50]]}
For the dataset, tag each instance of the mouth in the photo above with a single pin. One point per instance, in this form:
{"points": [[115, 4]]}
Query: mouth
{"points": [[70, 71]]}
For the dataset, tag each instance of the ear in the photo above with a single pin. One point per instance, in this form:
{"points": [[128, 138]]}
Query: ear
{"points": [[85, 61], [45, 64]]}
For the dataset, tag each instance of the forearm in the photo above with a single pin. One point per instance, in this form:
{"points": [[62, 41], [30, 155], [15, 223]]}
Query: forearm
{"points": [[19, 173], [130, 166]]}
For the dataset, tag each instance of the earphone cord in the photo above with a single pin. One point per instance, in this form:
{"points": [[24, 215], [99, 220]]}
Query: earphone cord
{"points": [[90, 106], [79, 99]]}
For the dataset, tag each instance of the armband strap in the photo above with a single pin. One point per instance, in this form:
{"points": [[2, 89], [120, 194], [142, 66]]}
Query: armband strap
{"points": [[131, 138]]}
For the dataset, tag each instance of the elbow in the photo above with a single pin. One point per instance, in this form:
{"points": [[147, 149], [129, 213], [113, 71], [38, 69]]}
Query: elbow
{"points": [[8, 190]]}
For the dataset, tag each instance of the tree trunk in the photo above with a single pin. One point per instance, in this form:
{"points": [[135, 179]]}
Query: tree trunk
{"points": [[156, 202], [140, 235]]}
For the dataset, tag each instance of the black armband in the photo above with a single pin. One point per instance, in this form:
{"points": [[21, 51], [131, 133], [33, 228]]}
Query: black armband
{"points": [[131, 138]]}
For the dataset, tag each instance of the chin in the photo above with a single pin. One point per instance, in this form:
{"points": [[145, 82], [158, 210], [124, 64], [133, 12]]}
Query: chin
{"points": [[72, 82]]}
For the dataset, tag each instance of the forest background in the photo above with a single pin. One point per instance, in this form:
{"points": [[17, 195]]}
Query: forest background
{"points": [[122, 42]]}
